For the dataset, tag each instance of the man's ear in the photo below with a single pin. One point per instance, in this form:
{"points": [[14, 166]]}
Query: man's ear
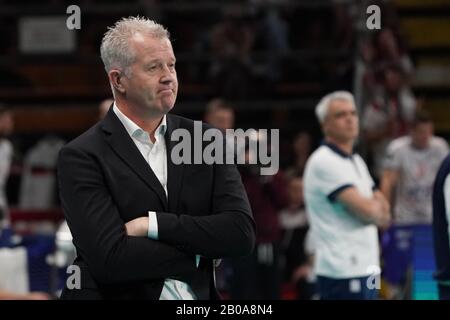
{"points": [[116, 79]]}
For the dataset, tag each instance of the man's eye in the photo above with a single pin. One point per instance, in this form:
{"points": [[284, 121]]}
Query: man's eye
{"points": [[152, 68]]}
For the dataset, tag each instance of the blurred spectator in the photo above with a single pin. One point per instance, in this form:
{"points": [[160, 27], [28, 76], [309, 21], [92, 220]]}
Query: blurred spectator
{"points": [[295, 264], [410, 167], [389, 51], [343, 30], [302, 147], [6, 153], [388, 116], [38, 188], [375, 54], [232, 41], [382, 55], [220, 114], [103, 107], [15, 268], [274, 33], [258, 275], [364, 77], [343, 37]]}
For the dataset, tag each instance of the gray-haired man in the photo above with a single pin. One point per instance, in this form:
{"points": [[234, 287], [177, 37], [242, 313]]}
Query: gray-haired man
{"points": [[143, 226], [343, 207]]}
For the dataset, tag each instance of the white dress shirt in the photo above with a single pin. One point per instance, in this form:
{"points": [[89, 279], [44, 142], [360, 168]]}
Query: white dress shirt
{"points": [[155, 154]]}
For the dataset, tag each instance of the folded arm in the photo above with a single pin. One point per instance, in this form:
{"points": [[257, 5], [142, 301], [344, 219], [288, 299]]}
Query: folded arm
{"points": [[99, 233], [228, 231], [374, 210]]}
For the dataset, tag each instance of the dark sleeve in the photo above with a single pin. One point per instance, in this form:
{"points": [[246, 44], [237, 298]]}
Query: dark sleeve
{"points": [[228, 231], [99, 233]]}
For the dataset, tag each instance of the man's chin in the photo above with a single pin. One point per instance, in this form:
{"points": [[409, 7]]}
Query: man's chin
{"points": [[167, 104], [166, 108]]}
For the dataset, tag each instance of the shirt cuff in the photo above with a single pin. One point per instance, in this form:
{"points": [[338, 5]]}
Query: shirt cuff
{"points": [[152, 226], [197, 260]]}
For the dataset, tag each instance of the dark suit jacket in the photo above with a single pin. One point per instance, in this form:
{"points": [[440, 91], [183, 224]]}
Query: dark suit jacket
{"points": [[105, 182]]}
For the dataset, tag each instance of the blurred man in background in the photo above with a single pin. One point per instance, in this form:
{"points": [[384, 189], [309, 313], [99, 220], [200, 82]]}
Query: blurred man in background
{"points": [[6, 153], [343, 208], [410, 166], [258, 276], [220, 114], [302, 148], [293, 221], [103, 107], [388, 116]]}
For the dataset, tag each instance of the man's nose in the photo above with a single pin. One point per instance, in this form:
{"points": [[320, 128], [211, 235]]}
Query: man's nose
{"points": [[167, 75], [166, 79], [351, 118]]}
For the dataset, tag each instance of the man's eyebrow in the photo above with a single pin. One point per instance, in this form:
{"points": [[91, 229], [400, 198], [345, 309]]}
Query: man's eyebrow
{"points": [[152, 61], [340, 113], [157, 60]]}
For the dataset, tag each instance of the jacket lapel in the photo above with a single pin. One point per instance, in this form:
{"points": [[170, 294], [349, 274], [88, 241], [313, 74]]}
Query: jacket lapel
{"points": [[174, 172], [122, 144]]}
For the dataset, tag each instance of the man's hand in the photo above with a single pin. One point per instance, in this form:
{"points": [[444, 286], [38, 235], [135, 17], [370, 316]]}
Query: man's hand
{"points": [[301, 272], [137, 227], [383, 221]]}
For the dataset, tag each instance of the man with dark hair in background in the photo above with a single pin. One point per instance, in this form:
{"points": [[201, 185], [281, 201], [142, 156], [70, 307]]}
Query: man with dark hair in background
{"points": [[220, 114], [258, 276], [409, 169]]}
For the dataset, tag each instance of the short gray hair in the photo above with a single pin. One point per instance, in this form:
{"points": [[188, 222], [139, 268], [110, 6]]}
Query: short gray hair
{"points": [[324, 103], [115, 49]]}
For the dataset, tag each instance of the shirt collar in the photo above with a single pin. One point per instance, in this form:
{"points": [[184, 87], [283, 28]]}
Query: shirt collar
{"points": [[338, 150], [134, 130]]}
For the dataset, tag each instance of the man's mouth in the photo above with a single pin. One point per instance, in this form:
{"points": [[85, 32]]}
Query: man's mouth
{"points": [[165, 91]]}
